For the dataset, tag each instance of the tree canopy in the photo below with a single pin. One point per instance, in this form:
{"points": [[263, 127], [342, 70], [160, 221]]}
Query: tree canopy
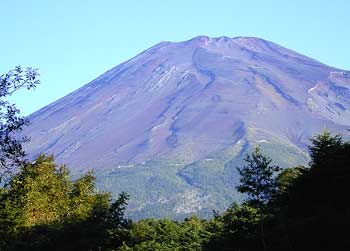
{"points": [[42, 204], [11, 151]]}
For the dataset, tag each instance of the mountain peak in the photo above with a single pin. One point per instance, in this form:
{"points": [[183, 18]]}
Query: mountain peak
{"points": [[250, 43], [181, 114], [203, 38], [220, 39]]}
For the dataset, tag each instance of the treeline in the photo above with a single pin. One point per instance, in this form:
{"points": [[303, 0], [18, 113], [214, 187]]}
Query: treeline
{"points": [[298, 208]]}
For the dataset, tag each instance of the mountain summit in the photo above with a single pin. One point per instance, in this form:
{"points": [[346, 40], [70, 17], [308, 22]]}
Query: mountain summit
{"points": [[169, 125]]}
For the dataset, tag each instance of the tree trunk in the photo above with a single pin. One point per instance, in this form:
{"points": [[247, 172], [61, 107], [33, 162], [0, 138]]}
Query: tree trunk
{"points": [[262, 235]]}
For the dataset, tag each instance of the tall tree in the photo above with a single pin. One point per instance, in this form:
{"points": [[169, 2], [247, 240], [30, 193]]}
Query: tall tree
{"points": [[259, 183], [42, 208], [326, 149], [11, 151]]}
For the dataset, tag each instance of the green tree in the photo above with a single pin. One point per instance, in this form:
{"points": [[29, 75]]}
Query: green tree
{"points": [[42, 204], [235, 229], [317, 208], [326, 150], [165, 234], [11, 151], [258, 181]]}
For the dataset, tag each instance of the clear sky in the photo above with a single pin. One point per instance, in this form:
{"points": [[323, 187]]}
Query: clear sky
{"points": [[74, 41]]}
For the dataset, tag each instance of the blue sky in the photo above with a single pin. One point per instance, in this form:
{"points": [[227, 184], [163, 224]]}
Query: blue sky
{"points": [[74, 41]]}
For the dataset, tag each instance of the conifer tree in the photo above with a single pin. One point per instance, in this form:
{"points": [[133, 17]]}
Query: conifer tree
{"points": [[259, 183]]}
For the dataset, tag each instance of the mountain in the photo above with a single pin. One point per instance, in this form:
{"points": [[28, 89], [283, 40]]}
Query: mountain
{"points": [[170, 125]]}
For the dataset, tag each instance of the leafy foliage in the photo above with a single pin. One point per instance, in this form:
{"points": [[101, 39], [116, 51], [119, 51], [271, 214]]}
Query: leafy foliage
{"points": [[236, 227], [259, 183], [43, 205], [257, 178], [328, 150], [151, 234], [11, 151], [307, 211]]}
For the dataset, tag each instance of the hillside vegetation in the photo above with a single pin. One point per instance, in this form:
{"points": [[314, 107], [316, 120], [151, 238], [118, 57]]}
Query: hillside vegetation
{"points": [[302, 208]]}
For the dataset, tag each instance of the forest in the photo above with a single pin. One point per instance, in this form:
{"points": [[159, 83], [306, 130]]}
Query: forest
{"points": [[43, 208]]}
